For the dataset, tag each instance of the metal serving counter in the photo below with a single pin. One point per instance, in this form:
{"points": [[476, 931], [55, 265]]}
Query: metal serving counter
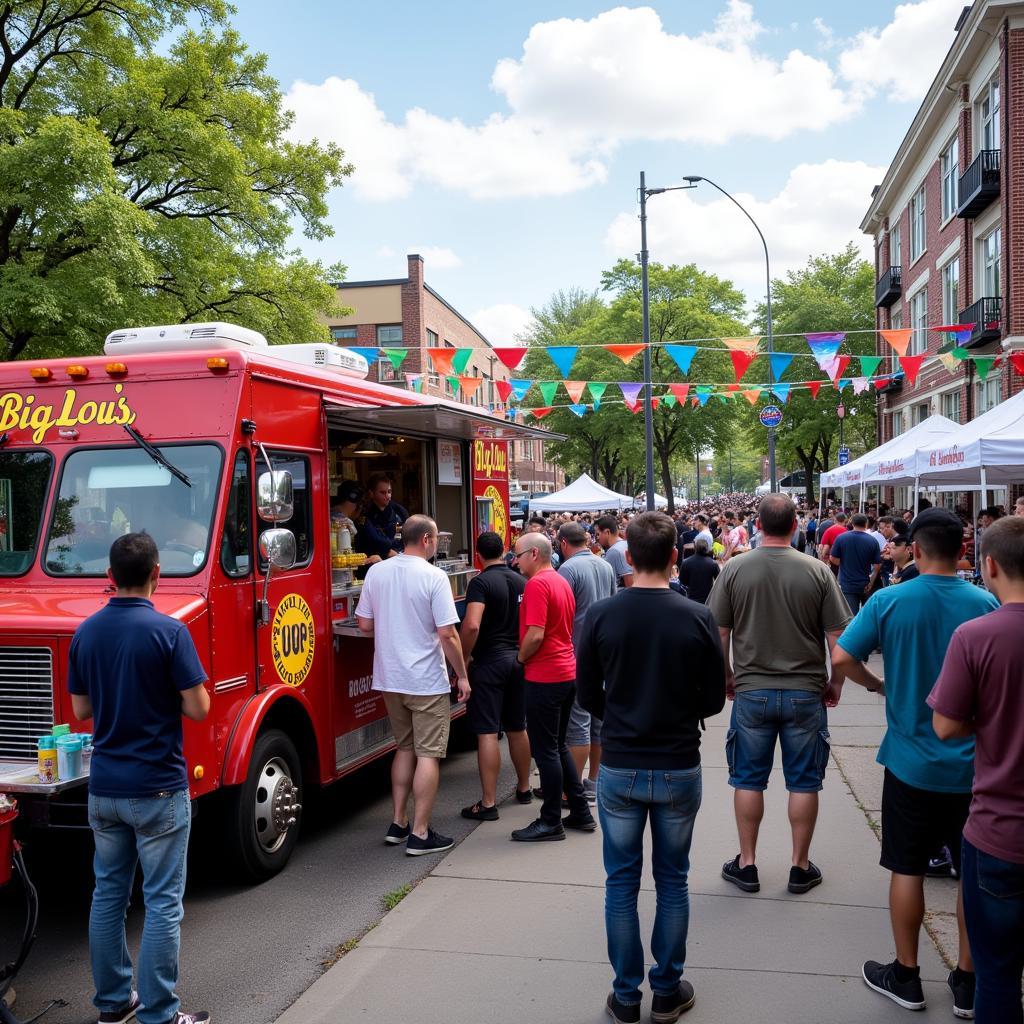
{"points": [[23, 777]]}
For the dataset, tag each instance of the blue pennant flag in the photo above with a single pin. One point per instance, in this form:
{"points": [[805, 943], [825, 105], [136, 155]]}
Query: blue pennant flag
{"points": [[578, 409], [597, 404], [781, 392], [520, 387], [367, 352], [780, 363], [843, 381], [563, 356], [682, 355], [702, 397]]}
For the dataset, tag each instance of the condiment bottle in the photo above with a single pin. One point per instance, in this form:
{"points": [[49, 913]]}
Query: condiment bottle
{"points": [[47, 753], [69, 756]]}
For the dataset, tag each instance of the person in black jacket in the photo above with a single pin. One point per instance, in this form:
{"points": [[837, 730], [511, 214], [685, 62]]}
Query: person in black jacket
{"points": [[699, 572], [649, 663]]}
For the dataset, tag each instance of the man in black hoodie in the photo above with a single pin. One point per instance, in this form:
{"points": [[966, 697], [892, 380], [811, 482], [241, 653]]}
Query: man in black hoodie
{"points": [[650, 664]]}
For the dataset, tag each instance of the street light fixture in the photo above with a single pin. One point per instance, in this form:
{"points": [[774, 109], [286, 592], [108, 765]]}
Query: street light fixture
{"points": [[693, 181]]}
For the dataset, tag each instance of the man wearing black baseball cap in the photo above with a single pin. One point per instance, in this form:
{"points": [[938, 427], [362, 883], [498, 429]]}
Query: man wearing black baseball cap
{"points": [[927, 789]]}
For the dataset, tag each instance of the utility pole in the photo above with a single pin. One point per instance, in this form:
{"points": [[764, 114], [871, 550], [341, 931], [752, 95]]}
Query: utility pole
{"points": [[648, 411]]}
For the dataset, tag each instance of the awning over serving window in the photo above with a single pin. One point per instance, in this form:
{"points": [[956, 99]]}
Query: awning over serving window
{"points": [[430, 420]]}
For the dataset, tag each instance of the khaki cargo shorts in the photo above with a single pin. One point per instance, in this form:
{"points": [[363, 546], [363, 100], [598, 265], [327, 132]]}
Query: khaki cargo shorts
{"points": [[420, 723]]}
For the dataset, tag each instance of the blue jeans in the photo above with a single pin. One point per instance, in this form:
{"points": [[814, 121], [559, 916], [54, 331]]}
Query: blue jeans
{"points": [[129, 831], [993, 892], [625, 798]]}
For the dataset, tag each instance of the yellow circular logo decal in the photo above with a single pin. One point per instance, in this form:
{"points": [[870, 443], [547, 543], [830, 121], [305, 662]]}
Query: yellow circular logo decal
{"points": [[292, 640], [500, 515]]}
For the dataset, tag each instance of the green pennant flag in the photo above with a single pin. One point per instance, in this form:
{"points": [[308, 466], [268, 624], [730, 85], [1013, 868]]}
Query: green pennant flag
{"points": [[723, 397], [983, 364], [547, 390], [704, 389], [453, 382], [461, 359], [960, 353], [596, 390], [397, 356], [869, 364], [670, 401]]}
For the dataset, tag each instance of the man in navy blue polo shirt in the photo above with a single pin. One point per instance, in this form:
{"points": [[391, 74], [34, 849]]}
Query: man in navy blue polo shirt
{"points": [[135, 672], [859, 559]]}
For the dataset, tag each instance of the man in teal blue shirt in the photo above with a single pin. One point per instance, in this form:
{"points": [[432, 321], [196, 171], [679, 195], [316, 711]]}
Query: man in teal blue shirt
{"points": [[927, 787]]}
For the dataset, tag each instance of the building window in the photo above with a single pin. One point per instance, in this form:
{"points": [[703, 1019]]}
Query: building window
{"points": [[894, 245], [986, 395], [391, 335], [920, 413], [528, 451], [432, 338], [918, 240], [988, 112], [951, 405], [897, 423], [919, 322], [991, 260], [344, 333], [951, 291], [896, 320], [949, 163]]}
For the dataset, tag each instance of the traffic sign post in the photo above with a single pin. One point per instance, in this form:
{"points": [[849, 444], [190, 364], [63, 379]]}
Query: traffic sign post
{"points": [[844, 455]]}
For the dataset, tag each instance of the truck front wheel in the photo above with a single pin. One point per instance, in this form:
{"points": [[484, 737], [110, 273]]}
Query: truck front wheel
{"points": [[263, 824]]}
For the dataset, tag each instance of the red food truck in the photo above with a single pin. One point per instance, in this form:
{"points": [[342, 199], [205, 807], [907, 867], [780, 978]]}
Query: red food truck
{"points": [[228, 452]]}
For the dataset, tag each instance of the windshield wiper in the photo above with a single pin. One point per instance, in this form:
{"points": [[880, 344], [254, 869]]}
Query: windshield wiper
{"points": [[155, 454]]}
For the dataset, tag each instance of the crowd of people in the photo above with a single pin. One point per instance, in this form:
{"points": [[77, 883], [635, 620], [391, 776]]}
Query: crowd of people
{"points": [[598, 646]]}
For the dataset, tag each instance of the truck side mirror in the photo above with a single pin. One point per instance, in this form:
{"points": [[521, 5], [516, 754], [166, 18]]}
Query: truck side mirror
{"points": [[275, 500], [277, 548]]}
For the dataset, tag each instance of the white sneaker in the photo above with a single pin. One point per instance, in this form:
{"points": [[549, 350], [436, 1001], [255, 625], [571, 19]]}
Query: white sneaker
{"points": [[590, 790]]}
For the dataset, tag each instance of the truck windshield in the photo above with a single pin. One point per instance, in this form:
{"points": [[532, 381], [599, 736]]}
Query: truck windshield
{"points": [[24, 481], [107, 492]]}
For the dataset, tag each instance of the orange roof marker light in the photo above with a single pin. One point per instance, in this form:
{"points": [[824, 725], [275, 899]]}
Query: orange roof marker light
{"points": [[78, 372], [41, 373], [216, 363], [116, 369]]}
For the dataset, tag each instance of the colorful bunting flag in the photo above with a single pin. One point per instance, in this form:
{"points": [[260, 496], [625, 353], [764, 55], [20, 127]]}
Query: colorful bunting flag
{"points": [[453, 382], [461, 359], [578, 409], [742, 344], [670, 401], [625, 352], [752, 395], [442, 359], [780, 363], [813, 387], [741, 361], [949, 361], [983, 364], [470, 385], [898, 339], [368, 352], [841, 383], [654, 404], [397, 356], [630, 390], [703, 394], [680, 391], [732, 388], [547, 390], [415, 381], [597, 390], [868, 365], [520, 387], [503, 388], [781, 392], [540, 413], [511, 356], [824, 345], [596, 405], [1017, 361], [574, 389], [634, 407], [563, 356], [959, 332], [834, 367], [860, 385], [682, 355], [911, 367]]}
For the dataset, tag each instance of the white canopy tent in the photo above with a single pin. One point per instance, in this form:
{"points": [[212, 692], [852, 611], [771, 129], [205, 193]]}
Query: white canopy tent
{"points": [[584, 494]]}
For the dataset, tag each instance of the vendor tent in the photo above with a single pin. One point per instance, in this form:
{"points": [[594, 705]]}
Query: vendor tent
{"points": [[584, 494]]}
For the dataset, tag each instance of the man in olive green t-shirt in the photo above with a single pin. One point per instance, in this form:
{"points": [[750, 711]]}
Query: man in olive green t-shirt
{"points": [[776, 608]]}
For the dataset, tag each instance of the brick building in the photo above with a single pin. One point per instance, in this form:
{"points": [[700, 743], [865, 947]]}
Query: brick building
{"points": [[405, 312], [950, 204]]}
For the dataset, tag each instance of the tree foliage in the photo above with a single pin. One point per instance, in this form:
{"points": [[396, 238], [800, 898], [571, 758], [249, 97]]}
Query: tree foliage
{"points": [[147, 181]]}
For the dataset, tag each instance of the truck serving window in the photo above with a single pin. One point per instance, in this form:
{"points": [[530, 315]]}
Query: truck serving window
{"points": [[107, 492], [24, 481], [301, 522]]}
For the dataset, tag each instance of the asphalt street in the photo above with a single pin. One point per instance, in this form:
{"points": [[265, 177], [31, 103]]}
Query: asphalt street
{"points": [[247, 953]]}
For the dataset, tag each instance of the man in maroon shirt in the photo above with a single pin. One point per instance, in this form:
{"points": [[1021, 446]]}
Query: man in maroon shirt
{"points": [[546, 652], [980, 692]]}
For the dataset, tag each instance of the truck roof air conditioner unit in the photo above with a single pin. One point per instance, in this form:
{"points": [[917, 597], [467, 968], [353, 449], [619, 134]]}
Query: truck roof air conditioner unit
{"points": [[182, 338], [323, 357]]}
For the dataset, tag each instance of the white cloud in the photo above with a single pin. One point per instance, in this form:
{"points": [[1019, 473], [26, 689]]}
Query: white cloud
{"points": [[904, 56], [817, 211], [437, 257], [501, 323], [384, 252]]}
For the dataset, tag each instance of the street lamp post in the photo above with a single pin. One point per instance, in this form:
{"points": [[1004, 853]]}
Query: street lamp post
{"points": [[694, 180]]}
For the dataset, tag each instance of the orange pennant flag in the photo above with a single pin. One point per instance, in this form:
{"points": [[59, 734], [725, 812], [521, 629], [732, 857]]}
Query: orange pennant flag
{"points": [[742, 344], [741, 361], [624, 352], [574, 389], [898, 339], [654, 404], [541, 412], [442, 360], [753, 396], [470, 385], [680, 391]]}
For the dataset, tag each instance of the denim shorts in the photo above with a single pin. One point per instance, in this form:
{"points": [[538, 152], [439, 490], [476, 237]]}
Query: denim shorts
{"points": [[584, 728], [797, 720]]}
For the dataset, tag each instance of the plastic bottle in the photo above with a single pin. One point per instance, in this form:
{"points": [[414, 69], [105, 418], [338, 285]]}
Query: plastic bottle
{"points": [[86, 752], [47, 752], [60, 730], [69, 756]]}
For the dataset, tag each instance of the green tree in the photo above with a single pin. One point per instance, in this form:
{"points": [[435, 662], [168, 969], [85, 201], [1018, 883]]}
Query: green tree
{"points": [[831, 293], [146, 176]]}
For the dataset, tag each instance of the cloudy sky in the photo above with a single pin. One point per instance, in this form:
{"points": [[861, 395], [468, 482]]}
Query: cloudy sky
{"points": [[503, 141]]}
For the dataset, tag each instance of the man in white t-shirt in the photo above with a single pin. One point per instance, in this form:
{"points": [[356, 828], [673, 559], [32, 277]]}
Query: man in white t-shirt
{"points": [[406, 605]]}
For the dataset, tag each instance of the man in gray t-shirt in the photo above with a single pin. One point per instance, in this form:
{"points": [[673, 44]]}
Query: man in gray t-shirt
{"points": [[614, 550], [592, 579]]}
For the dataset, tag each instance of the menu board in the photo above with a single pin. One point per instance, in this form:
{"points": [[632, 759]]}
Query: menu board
{"points": [[449, 463]]}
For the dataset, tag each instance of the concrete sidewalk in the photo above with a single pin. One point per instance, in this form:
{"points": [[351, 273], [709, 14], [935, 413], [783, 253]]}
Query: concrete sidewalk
{"points": [[506, 932]]}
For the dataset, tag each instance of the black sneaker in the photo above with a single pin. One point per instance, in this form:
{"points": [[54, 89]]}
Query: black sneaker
{"points": [[538, 832], [941, 866], [434, 843], [203, 1017], [746, 878], [620, 1012], [961, 984], [666, 1009], [882, 978], [524, 796], [539, 794], [396, 834], [122, 1016], [803, 881], [477, 812], [580, 822]]}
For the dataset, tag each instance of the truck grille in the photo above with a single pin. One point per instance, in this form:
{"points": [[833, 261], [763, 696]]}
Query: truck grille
{"points": [[26, 699]]}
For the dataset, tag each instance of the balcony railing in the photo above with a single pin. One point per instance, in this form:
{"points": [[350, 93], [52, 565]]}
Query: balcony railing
{"points": [[987, 316], [979, 184], [889, 287]]}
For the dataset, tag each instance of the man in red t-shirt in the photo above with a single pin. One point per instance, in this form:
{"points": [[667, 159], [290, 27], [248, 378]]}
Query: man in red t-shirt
{"points": [[546, 653], [828, 538]]}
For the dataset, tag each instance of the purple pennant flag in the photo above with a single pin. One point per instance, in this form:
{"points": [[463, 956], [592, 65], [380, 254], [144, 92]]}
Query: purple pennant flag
{"points": [[825, 345], [630, 390]]}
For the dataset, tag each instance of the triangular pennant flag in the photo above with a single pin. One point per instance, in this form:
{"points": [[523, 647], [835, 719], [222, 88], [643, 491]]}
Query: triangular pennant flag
{"points": [[596, 405], [368, 352], [470, 385], [597, 390], [781, 392], [520, 387], [574, 389], [511, 356], [868, 365], [634, 407], [958, 332], [630, 390], [911, 367], [898, 339], [723, 397], [836, 367], [415, 381], [694, 402], [841, 383], [813, 386], [1017, 361], [732, 388], [949, 361], [860, 385], [824, 345], [547, 390], [742, 344], [503, 388], [961, 353], [461, 359], [753, 395], [539, 413], [780, 363], [682, 390], [703, 394], [741, 361], [625, 352], [578, 409], [682, 355], [453, 381], [397, 356], [670, 401], [442, 359], [654, 404], [563, 356], [983, 364]]}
